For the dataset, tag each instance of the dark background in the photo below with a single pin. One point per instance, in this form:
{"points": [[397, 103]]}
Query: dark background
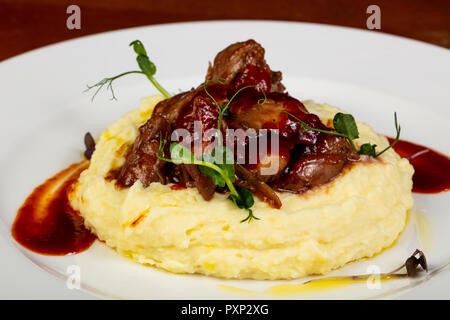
{"points": [[29, 24]]}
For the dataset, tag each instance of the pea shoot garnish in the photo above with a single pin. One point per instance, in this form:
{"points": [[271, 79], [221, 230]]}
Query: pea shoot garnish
{"points": [[345, 126], [146, 67], [219, 165], [369, 149]]}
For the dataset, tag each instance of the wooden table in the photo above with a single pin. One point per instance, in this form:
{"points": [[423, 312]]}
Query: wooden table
{"points": [[29, 24]]}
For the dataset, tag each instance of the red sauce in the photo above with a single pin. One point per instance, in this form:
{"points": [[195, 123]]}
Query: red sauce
{"points": [[178, 187], [431, 168], [46, 223]]}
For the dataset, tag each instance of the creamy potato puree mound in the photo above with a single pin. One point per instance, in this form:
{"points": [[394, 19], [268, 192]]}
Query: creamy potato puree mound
{"points": [[356, 215]]}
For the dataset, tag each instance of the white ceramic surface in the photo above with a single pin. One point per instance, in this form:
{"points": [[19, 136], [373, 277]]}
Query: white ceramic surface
{"points": [[44, 115]]}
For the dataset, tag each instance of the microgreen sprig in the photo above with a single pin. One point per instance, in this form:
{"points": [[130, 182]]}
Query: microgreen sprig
{"points": [[219, 165], [146, 67], [345, 126], [243, 199], [369, 149], [345, 122], [179, 154]]}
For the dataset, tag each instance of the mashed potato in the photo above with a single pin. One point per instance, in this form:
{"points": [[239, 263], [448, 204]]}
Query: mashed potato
{"points": [[356, 215]]}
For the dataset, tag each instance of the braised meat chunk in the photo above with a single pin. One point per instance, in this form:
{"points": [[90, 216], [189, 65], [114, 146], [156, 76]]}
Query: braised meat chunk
{"points": [[170, 109], [142, 162], [203, 183], [251, 181], [242, 60], [315, 165]]}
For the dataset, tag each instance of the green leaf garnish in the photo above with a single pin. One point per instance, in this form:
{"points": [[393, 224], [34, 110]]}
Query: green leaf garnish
{"points": [[138, 47], [367, 149], [182, 155], [342, 123], [245, 201], [345, 126], [146, 67], [223, 158]]}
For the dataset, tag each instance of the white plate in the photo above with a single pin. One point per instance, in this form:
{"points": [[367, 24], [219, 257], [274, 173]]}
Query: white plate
{"points": [[44, 115]]}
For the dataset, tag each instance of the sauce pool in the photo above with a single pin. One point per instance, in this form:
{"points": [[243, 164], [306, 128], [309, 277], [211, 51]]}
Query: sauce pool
{"points": [[46, 223], [431, 168]]}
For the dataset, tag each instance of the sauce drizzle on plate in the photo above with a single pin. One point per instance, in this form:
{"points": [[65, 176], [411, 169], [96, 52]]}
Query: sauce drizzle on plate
{"points": [[46, 224], [431, 168]]}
